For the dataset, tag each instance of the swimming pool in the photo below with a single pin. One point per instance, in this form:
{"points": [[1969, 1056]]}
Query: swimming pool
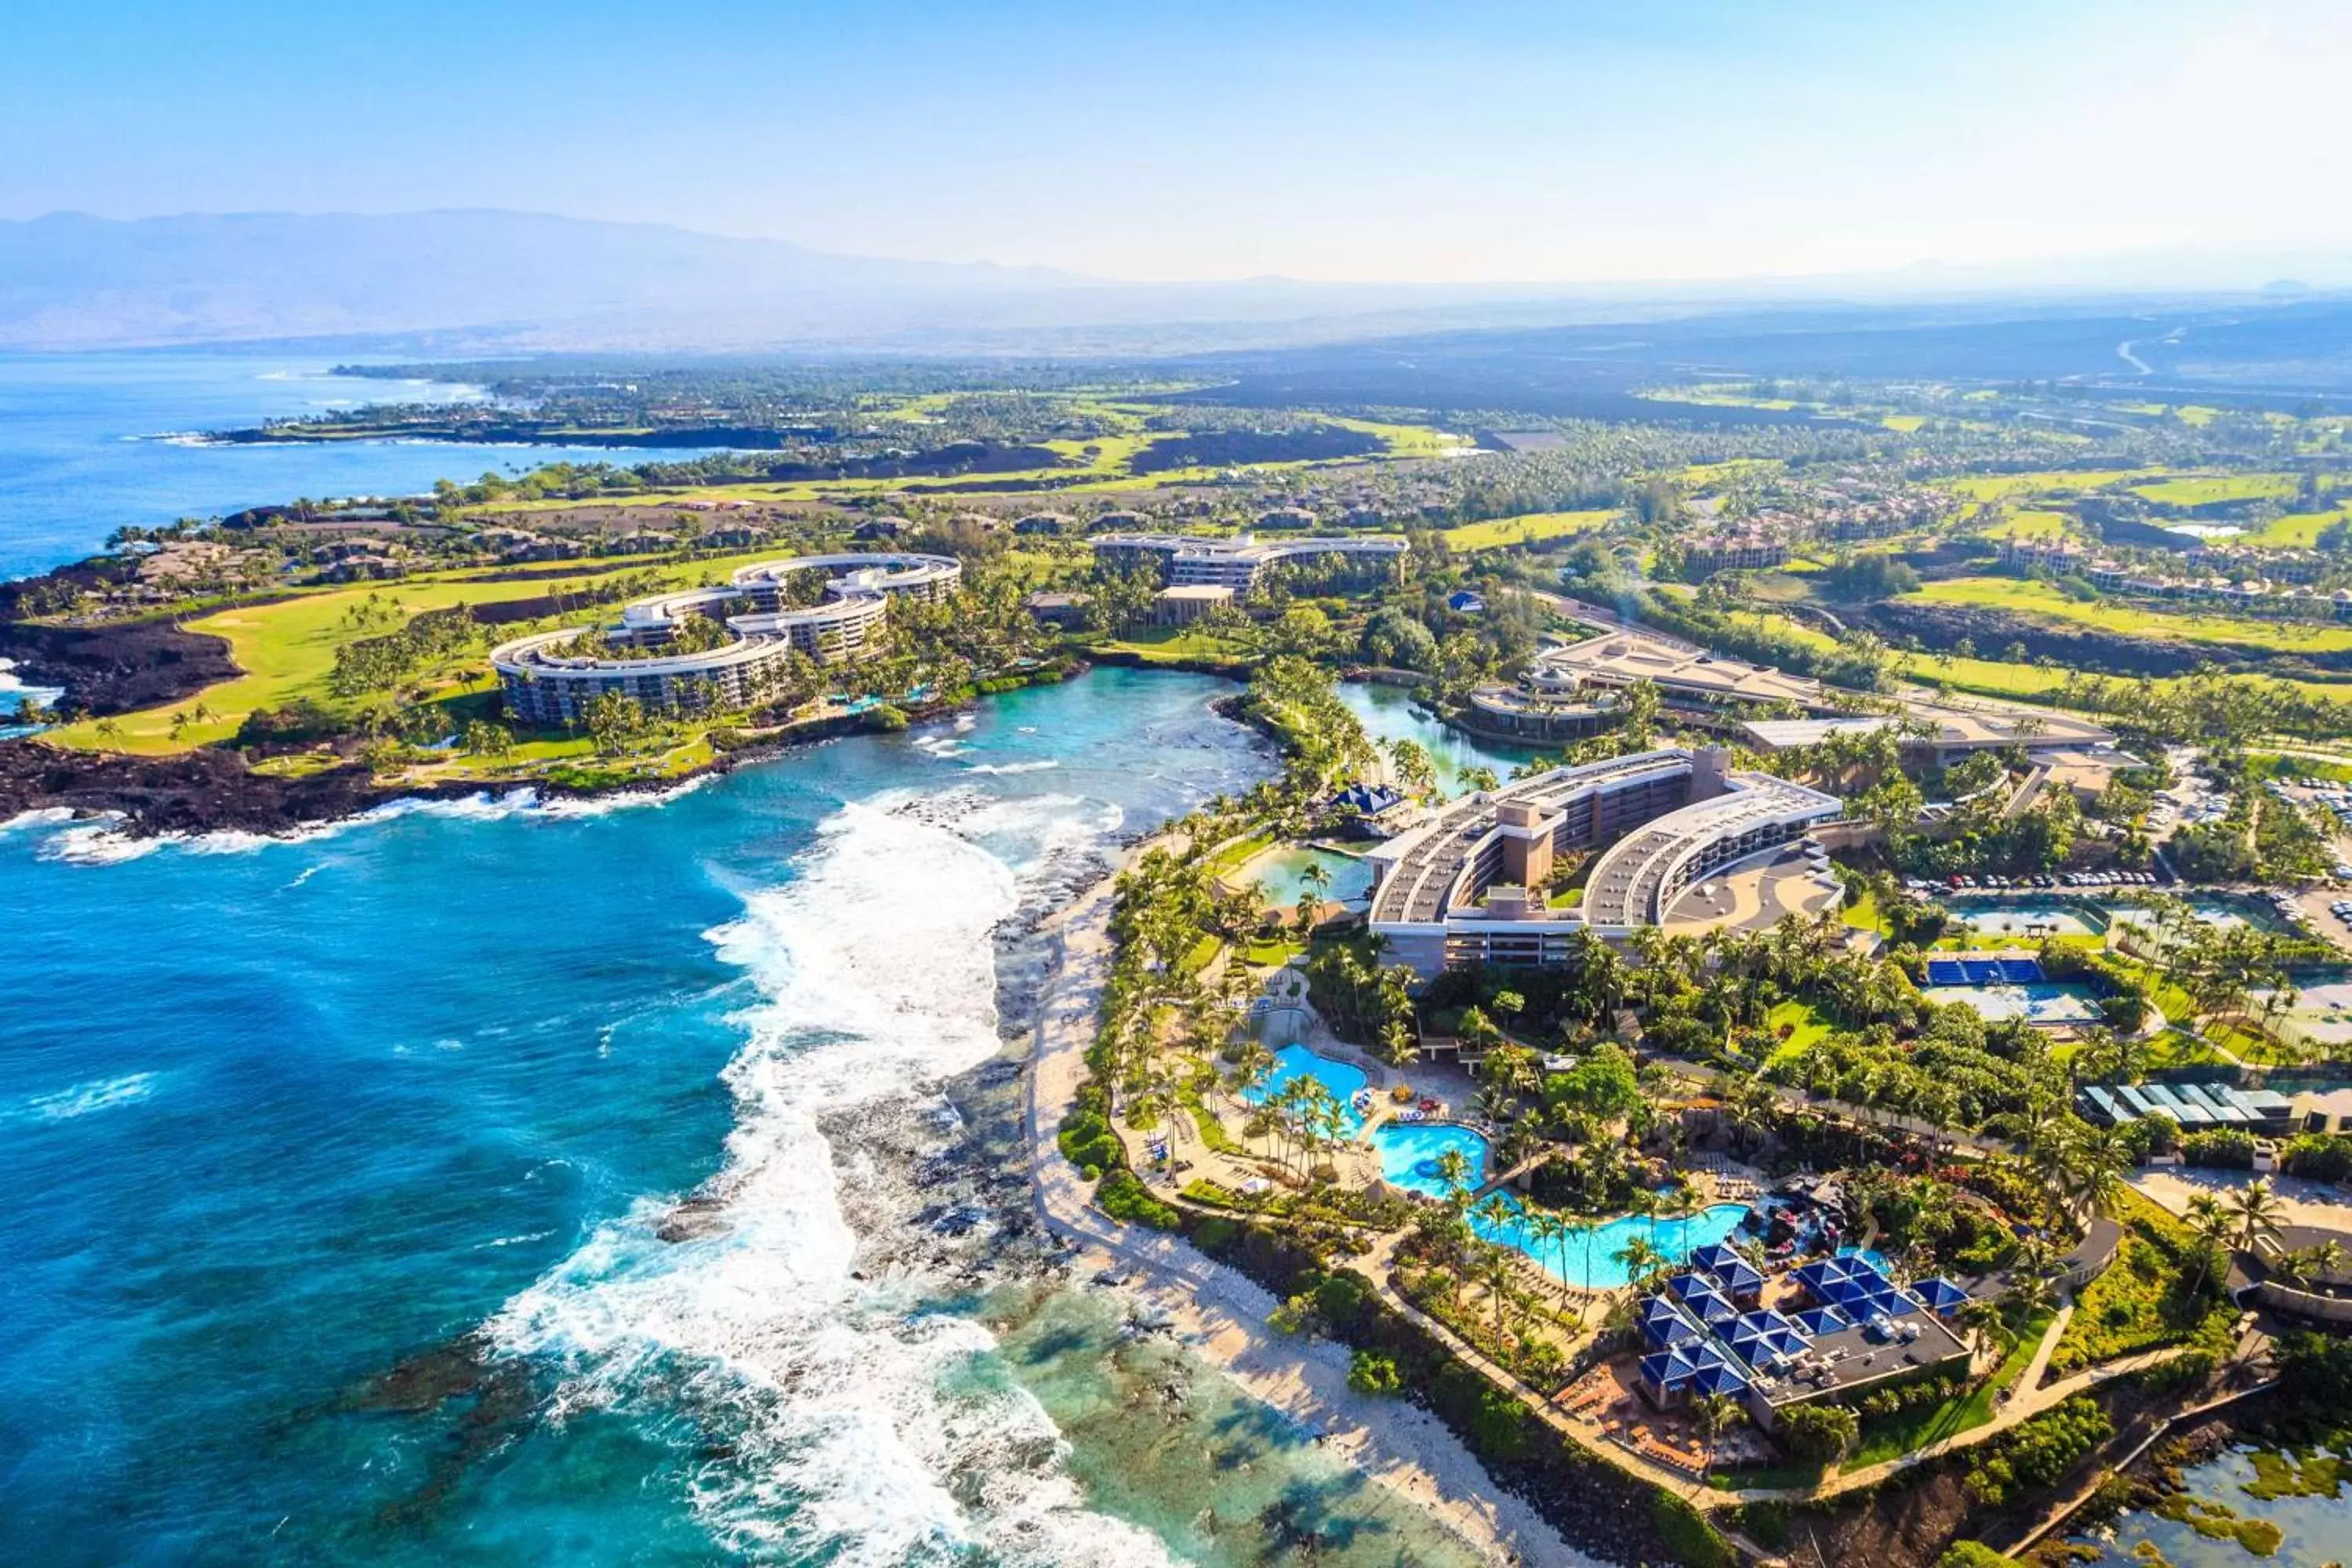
{"points": [[1281, 875], [1409, 1154], [1591, 1261], [1294, 1062], [2043, 1002]]}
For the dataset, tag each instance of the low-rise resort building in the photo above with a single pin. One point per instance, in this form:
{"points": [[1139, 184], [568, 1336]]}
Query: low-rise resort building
{"points": [[1188, 560], [549, 687], [1472, 886], [1842, 1328]]}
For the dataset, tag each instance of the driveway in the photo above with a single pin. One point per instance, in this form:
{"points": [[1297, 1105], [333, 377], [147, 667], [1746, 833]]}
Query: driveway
{"points": [[2317, 1204]]}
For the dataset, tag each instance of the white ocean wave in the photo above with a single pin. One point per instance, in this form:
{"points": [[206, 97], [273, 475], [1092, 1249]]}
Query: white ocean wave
{"points": [[862, 1433], [100, 840], [82, 1098], [1041, 766]]}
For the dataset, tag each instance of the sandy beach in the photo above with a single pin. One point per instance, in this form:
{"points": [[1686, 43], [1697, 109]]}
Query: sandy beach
{"points": [[1221, 1315]]}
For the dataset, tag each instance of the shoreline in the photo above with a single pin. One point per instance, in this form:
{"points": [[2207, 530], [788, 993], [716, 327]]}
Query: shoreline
{"points": [[212, 789], [1219, 1315]]}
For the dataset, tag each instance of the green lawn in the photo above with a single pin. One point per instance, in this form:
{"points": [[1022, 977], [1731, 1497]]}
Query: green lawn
{"points": [[1530, 529], [2014, 487], [1887, 1438], [2297, 531], [1172, 644], [1804, 1023], [287, 649], [2027, 525], [2205, 490], [2025, 597]]}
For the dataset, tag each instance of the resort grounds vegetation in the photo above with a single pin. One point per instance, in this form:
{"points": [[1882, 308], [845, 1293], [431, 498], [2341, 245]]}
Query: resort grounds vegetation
{"points": [[2038, 1452]]}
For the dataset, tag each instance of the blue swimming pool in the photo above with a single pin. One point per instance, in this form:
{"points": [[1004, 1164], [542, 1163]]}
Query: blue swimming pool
{"points": [[1408, 1157], [1592, 1250], [1282, 875], [1294, 1062], [1410, 1151]]}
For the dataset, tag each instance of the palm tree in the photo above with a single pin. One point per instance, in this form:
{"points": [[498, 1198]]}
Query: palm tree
{"points": [[1714, 1415], [2258, 1213], [1454, 1170], [1641, 1261], [2212, 1224], [2093, 1165]]}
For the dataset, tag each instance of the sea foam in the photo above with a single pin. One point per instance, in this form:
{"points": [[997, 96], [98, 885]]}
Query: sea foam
{"points": [[864, 1429]]}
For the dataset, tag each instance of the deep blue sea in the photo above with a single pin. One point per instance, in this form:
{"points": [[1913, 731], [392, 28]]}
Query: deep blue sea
{"points": [[89, 442], [504, 1183]]}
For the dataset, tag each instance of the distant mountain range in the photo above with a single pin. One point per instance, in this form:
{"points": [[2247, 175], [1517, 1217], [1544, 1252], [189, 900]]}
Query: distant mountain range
{"points": [[478, 280]]}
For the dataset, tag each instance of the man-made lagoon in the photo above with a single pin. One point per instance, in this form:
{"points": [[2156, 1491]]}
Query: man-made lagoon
{"points": [[1282, 875]]}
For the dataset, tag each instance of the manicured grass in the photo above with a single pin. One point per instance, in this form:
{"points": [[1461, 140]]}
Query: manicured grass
{"points": [[2025, 597], [1891, 1437], [2296, 530], [1531, 529], [1405, 441], [2013, 487], [2206, 490], [1863, 914], [1804, 1023], [1171, 644], [287, 648], [2027, 525]]}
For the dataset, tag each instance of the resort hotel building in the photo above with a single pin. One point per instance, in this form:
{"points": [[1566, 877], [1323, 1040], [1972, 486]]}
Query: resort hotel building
{"points": [[1473, 885], [1566, 694], [546, 686], [1842, 1328], [1197, 560]]}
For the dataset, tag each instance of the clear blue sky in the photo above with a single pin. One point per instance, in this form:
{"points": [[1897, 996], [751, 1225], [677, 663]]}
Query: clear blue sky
{"points": [[1362, 140]]}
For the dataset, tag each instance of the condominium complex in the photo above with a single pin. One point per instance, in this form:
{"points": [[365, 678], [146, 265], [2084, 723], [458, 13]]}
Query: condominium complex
{"points": [[1473, 885], [1190, 560], [546, 686]]}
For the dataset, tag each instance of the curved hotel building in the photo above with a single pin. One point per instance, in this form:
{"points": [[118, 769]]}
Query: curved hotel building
{"points": [[1198, 559], [1469, 886], [547, 687]]}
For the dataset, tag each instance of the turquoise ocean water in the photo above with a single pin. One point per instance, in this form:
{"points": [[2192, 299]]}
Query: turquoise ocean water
{"points": [[629, 1183]]}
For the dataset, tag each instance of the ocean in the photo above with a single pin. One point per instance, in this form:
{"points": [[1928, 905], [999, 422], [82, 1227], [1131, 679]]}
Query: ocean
{"points": [[89, 442], [631, 1181]]}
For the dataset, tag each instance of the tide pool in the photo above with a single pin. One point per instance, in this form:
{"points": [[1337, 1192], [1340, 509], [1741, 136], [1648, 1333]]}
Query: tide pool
{"points": [[495, 1184]]}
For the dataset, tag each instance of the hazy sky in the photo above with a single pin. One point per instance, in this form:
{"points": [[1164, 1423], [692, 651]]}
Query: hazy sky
{"points": [[1207, 140]]}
